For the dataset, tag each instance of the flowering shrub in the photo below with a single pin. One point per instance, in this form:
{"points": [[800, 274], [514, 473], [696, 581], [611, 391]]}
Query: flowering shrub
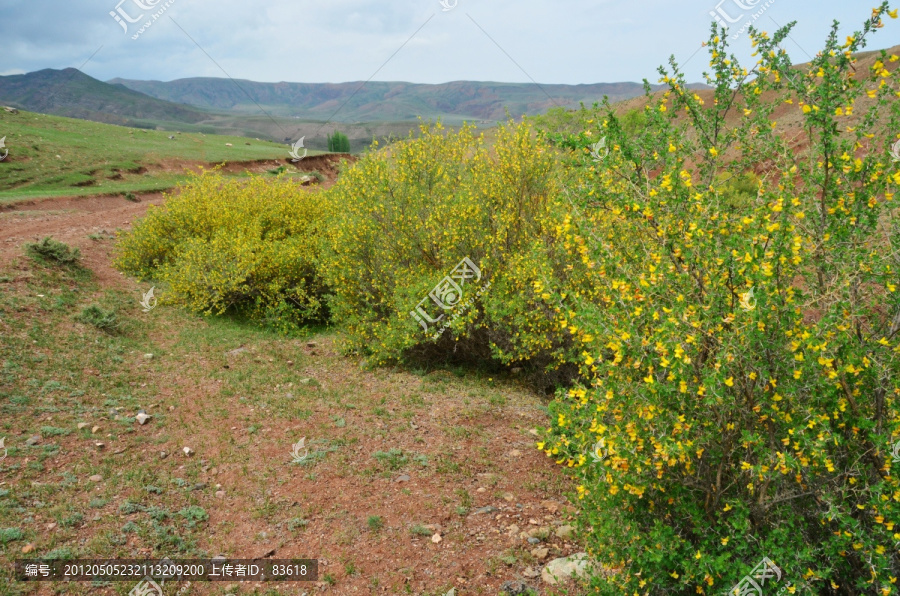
{"points": [[402, 219], [741, 350], [220, 245]]}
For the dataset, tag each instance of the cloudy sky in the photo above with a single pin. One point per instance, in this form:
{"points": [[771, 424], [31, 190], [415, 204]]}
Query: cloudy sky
{"points": [[549, 41]]}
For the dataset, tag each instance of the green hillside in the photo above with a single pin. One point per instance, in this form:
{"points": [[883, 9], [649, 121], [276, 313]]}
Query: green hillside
{"points": [[377, 101], [54, 156], [72, 93]]}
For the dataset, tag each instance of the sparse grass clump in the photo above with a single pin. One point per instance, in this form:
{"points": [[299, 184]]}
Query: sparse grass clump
{"points": [[375, 523], [10, 534], [393, 459], [53, 251], [102, 319]]}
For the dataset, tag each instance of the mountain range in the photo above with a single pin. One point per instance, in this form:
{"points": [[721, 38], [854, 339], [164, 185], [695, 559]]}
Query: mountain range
{"points": [[285, 111]]}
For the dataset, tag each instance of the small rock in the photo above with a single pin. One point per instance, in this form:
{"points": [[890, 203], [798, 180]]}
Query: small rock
{"points": [[509, 497], [33, 440], [148, 356], [171, 408], [531, 572], [229, 145], [99, 445], [562, 569], [565, 532], [142, 417], [51, 525], [83, 425], [515, 453], [311, 344], [512, 530], [534, 432], [305, 381], [436, 538], [551, 506], [481, 489], [487, 509], [199, 486], [27, 549], [95, 430], [188, 451], [171, 136], [540, 553], [220, 494], [541, 533], [96, 478], [452, 592], [402, 478], [532, 540], [516, 588], [163, 455]]}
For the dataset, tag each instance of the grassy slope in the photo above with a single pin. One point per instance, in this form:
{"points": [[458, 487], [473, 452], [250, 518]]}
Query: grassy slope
{"points": [[55, 156]]}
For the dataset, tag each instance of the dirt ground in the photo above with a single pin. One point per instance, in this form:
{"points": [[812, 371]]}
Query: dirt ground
{"points": [[419, 483]]}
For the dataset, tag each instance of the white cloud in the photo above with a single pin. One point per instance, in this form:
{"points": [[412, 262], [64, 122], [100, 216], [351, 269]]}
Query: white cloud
{"points": [[565, 41]]}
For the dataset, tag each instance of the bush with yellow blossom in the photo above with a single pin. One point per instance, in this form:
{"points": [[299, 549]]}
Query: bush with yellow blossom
{"points": [[401, 219], [248, 247], [741, 354]]}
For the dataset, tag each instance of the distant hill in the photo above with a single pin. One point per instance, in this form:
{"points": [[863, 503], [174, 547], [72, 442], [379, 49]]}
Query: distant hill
{"points": [[292, 110], [380, 101], [72, 93]]}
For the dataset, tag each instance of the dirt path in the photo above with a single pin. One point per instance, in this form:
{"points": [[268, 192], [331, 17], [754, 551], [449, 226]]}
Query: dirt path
{"points": [[72, 220], [417, 483]]}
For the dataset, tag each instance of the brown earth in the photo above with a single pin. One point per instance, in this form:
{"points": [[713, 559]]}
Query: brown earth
{"points": [[477, 438]]}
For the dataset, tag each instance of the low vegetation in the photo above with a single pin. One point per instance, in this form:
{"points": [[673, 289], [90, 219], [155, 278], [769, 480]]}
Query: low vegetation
{"points": [[53, 156], [53, 251], [222, 245], [717, 302]]}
